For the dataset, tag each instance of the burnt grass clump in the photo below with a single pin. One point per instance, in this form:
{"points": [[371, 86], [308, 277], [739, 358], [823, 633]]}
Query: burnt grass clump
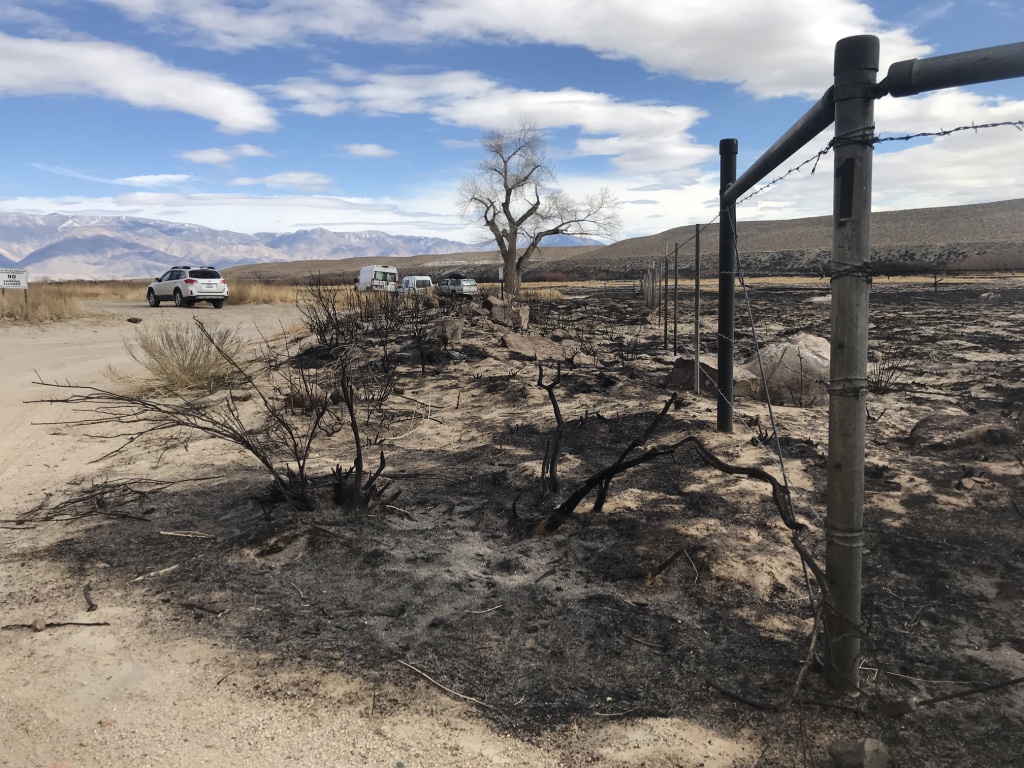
{"points": [[554, 629]]}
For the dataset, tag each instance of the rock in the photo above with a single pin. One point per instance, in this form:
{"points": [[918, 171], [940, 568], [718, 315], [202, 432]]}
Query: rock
{"points": [[953, 428], [538, 347], [490, 302], [134, 319], [870, 753], [305, 398], [560, 334], [990, 297], [680, 378], [448, 331], [796, 371], [745, 385], [38, 624], [512, 317]]}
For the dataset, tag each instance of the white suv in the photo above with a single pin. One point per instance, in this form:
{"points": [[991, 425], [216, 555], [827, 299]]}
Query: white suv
{"points": [[187, 285]]}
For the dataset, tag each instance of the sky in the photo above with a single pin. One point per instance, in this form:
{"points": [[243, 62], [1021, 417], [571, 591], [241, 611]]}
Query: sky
{"points": [[279, 115]]}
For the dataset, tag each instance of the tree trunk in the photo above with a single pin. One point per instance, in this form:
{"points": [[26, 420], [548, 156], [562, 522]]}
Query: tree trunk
{"points": [[512, 277]]}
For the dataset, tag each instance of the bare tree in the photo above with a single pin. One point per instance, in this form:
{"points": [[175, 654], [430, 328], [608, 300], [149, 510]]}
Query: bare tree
{"points": [[514, 197]]}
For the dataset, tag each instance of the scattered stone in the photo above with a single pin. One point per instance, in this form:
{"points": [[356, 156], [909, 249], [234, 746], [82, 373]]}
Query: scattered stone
{"points": [[38, 624], [511, 317], [307, 397], [448, 331], [953, 428], [560, 334], [537, 347], [870, 753], [990, 297], [680, 378], [134, 319], [490, 302]]}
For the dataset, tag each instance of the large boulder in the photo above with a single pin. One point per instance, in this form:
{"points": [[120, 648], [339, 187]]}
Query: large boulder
{"points": [[796, 372], [538, 347]]}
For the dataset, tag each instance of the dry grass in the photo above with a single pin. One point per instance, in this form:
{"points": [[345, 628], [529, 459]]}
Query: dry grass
{"points": [[46, 302], [180, 358], [246, 292], [538, 292]]}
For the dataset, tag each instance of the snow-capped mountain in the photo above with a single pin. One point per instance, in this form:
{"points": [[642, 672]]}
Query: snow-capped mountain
{"points": [[112, 247]]}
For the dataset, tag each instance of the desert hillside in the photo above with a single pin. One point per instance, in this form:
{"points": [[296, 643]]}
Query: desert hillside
{"points": [[988, 236]]}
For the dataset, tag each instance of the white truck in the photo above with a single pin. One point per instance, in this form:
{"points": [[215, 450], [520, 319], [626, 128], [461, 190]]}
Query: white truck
{"points": [[377, 277]]}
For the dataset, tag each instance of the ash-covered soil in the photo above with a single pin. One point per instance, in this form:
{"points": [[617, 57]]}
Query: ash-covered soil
{"points": [[550, 631]]}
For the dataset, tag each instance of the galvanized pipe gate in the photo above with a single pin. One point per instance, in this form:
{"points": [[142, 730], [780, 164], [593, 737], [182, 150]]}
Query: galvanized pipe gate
{"points": [[849, 103]]}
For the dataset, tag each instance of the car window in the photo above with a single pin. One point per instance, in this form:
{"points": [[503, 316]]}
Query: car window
{"points": [[174, 274], [422, 283], [166, 275], [469, 282], [205, 274]]}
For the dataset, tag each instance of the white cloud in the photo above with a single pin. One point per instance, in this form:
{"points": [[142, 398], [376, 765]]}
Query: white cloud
{"points": [[311, 96], [43, 67], [150, 180], [460, 144], [369, 150], [223, 156], [769, 47], [638, 137], [154, 180], [300, 179]]}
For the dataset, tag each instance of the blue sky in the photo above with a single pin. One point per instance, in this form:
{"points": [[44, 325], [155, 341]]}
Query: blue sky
{"points": [[276, 115]]}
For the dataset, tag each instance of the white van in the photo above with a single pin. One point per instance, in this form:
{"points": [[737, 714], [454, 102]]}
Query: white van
{"points": [[412, 283], [377, 277]]}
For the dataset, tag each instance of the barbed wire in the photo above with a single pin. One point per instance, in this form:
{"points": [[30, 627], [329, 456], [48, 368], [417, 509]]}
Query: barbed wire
{"points": [[869, 137], [863, 137]]}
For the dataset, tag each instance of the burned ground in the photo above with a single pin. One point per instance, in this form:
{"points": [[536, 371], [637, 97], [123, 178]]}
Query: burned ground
{"points": [[551, 631]]}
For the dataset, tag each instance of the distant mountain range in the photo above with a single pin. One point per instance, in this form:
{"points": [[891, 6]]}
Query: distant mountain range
{"points": [[986, 236], [63, 247]]}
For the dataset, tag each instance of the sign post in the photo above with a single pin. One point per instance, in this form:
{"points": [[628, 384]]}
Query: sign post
{"points": [[14, 279]]}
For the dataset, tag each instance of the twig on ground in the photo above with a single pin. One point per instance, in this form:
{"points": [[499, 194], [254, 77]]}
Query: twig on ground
{"points": [[618, 714], [644, 642], [188, 534], [168, 569], [443, 687], [48, 624], [485, 611], [743, 699]]}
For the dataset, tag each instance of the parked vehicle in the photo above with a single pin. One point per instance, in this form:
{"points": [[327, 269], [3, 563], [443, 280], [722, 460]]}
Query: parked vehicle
{"points": [[377, 277], [186, 285], [457, 286], [412, 283]]}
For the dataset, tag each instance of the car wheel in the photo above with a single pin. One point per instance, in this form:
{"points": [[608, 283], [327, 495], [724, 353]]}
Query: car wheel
{"points": [[152, 299], [179, 301], [217, 303]]}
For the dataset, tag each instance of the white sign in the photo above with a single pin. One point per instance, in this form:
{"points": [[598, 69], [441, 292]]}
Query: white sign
{"points": [[14, 278], [501, 274]]}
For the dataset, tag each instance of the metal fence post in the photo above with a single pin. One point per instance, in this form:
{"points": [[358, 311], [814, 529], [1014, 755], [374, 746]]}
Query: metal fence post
{"points": [[696, 310], [727, 149], [856, 68]]}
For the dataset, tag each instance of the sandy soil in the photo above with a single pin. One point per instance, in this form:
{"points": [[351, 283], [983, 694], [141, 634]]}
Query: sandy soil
{"points": [[552, 650]]}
